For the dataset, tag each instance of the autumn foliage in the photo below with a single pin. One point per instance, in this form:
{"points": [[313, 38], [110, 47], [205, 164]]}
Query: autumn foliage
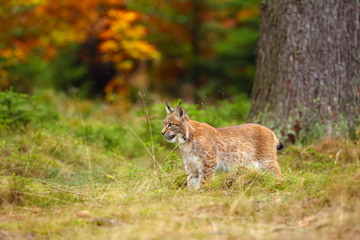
{"points": [[122, 42], [206, 44], [45, 26]]}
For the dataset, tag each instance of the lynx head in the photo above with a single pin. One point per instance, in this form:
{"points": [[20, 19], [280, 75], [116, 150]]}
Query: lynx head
{"points": [[175, 124]]}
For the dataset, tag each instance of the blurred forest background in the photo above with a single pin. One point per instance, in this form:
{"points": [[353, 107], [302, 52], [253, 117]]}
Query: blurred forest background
{"points": [[113, 49], [81, 154]]}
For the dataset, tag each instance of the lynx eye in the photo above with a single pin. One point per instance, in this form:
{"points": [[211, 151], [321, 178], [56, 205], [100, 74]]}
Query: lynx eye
{"points": [[169, 124]]}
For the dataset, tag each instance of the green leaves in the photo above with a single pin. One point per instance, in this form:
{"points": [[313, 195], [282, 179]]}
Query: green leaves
{"points": [[14, 110]]}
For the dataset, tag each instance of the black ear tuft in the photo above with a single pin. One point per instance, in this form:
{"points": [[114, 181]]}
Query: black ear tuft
{"points": [[168, 108], [180, 102]]}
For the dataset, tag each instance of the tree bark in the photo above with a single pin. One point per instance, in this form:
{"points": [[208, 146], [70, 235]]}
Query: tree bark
{"points": [[307, 80]]}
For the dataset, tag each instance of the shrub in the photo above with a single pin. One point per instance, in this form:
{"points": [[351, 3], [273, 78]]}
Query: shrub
{"points": [[15, 110]]}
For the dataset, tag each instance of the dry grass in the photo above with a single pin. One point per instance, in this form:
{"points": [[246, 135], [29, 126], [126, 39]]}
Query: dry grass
{"points": [[58, 182], [242, 204]]}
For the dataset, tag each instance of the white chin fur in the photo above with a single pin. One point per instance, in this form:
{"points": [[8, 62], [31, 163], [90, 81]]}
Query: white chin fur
{"points": [[180, 139]]}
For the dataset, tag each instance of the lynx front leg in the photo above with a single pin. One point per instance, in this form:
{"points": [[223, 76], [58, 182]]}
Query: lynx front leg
{"points": [[203, 173], [193, 181], [194, 173]]}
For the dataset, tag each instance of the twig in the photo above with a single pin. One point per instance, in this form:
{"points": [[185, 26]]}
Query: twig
{"points": [[150, 129], [327, 133], [86, 144]]}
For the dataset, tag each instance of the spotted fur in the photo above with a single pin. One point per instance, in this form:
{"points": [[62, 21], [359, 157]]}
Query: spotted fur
{"points": [[206, 149]]}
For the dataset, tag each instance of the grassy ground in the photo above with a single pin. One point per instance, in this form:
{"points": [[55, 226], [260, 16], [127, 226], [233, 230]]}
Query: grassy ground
{"points": [[74, 169]]}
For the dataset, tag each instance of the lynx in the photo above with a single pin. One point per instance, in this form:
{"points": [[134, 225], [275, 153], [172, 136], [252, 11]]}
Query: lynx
{"points": [[206, 149]]}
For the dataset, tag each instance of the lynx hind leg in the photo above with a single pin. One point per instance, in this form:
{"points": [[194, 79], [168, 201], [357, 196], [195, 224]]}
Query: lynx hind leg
{"points": [[272, 165]]}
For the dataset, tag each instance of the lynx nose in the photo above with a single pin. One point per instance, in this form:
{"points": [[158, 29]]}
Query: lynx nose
{"points": [[163, 133]]}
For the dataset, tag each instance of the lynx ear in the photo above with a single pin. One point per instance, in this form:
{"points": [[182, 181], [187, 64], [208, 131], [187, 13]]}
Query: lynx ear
{"points": [[180, 111], [168, 109]]}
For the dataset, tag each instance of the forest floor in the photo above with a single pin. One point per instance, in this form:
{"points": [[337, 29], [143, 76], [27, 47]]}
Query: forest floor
{"points": [[78, 176]]}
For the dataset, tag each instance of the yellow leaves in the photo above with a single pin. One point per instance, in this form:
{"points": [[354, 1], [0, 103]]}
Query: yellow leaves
{"points": [[122, 36], [121, 21], [136, 32], [123, 15], [25, 3], [62, 37], [140, 49], [115, 90], [247, 13], [13, 55], [114, 2], [122, 40], [108, 46], [47, 25], [6, 53], [123, 44], [126, 65]]}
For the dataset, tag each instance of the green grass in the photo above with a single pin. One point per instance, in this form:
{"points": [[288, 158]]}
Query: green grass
{"points": [[81, 170]]}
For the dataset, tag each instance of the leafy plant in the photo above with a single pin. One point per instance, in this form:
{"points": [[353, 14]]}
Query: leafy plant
{"points": [[15, 109]]}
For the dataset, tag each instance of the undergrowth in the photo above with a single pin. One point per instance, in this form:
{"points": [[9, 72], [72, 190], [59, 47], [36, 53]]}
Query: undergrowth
{"points": [[75, 169]]}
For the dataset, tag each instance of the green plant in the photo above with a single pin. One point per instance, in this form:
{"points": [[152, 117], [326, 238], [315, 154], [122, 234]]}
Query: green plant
{"points": [[15, 110], [18, 110]]}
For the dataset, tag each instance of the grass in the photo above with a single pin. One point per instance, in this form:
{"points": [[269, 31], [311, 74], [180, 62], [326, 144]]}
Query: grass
{"points": [[92, 173]]}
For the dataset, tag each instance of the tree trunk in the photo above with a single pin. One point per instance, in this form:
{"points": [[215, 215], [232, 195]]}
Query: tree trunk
{"points": [[307, 80]]}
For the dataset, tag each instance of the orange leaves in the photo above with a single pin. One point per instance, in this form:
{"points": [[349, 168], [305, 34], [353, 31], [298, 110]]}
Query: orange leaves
{"points": [[47, 25], [122, 22], [108, 46], [247, 13], [123, 44], [136, 32], [122, 40], [41, 24], [127, 17]]}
